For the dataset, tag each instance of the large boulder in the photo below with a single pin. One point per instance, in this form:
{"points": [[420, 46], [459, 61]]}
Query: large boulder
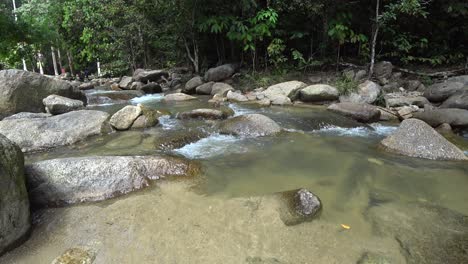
{"points": [[36, 134], [360, 112], [367, 93], [179, 97], [15, 220], [299, 206], [22, 91], [458, 100], [415, 138], [124, 118], [151, 88], [252, 125], [426, 233], [220, 89], [192, 84], [461, 79], [27, 115], [220, 73], [383, 71], [440, 92], [319, 93], [212, 114], [236, 97], [205, 88], [125, 82], [452, 116], [284, 93], [407, 99], [145, 76], [56, 104], [73, 180]]}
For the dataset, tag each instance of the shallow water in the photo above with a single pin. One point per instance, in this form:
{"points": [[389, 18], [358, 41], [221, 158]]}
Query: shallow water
{"points": [[230, 215]]}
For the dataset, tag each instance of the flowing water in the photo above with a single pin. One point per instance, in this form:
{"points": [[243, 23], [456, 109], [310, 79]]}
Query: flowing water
{"points": [[230, 214]]}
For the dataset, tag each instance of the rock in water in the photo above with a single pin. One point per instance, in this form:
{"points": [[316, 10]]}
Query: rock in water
{"points": [[415, 138], [56, 104], [124, 118], [440, 92], [192, 84], [36, 134], [236, 97], [367, 93], [252, 125], [220, 73], [211, 114], [360, 112], [427, 234], [15, 220], [179, 97], [75, 256], [299, 206], [23, 91], [73, 180], [125, 82], [284, 93], [145, 76], [452, 116], [151, 88], [319, 93]]}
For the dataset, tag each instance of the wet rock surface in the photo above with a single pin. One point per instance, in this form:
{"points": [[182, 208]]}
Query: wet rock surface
{"points": [[124, 118], [15, 220], [415, 138], [299, 206], [73, 180], [251, 125]]}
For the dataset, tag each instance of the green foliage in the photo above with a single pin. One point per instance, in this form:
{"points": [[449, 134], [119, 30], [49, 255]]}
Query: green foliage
{"points": [[276, 52], [302, 63], [346, 85]]}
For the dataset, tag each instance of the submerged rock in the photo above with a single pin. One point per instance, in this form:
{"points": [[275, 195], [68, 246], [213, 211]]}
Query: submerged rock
{"points": [[56, 104], [415, 138], [124, 118], [452, 116], [374, 258], [15, 220], [178, 139], [252, 125], [427, 234], [440, 92], [220, 73], [179, 97], [75, 256], [212, 114], [299, 206], [36, 134], [319, 93], [73, 180], [23, 91], [360, 112]]}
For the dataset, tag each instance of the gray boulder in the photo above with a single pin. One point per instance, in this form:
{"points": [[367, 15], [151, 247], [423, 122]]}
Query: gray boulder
{"points": [[405, 99], [221, 89], [145, 76], [461, 79], [367, 93], [87, 86], [73, 180], [299, 206], [56, 104], [360, 112], [415, 138], [319, 93], [27, 115], [440, 92], [37, 134], [205, 88], [125, 82], [192, 84], [284, 93], [458, 100], [252, 125], [15, 220], [124, 118], [220, 73], [236, 97], [23, 91], [452, 116], [111, 97], [179, 97], [151, 88], [383, 71], [414, 85], [211, 114]]}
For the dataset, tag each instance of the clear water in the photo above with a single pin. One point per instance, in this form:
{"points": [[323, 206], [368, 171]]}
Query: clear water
{"points": [[230, 215]]}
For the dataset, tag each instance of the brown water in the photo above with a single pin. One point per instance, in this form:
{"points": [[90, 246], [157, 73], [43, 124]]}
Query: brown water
{"points": [[230, 215]]}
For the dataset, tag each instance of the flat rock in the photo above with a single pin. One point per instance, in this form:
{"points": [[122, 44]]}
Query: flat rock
{"points": [[452, 116], [405, 99], [56, 104], [84, 179], [319, 93], [415, 138], [252, 125], [124, 118], [179, 97], [360, 112], [37, 134], [15, 220]]}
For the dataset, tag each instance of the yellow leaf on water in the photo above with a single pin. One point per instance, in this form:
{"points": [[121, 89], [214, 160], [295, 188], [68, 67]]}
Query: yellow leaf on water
{"points": [[347, 227]]}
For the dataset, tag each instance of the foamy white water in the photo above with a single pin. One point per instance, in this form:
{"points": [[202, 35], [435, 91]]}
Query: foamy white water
{"points": [[212, 146]]}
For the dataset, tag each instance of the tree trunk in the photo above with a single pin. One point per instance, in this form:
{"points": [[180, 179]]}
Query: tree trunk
{"points": [[374, 39], [99, 68], [59, 56], [193, 58], [54, 61], [70, 63]]}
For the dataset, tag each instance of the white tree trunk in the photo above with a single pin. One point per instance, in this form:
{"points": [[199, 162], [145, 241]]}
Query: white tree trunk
{"points": [[25, 67], [374, 39], [54, 61], [98, 68]]}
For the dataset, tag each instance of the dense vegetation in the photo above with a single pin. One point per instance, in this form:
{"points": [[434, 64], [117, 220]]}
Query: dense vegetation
{"points": [[267, 34]]}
